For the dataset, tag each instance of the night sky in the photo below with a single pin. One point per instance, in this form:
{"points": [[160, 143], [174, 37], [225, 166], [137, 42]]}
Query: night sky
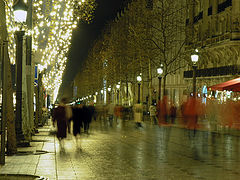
{"points": [[85, 34]]}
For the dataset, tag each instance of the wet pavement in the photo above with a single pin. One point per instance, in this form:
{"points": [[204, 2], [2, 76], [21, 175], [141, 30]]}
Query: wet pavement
{"points": [[126, 152]]}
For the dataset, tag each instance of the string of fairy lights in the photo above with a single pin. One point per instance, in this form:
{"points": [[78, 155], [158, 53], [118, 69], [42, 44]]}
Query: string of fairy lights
{"points": [[53, 24]]}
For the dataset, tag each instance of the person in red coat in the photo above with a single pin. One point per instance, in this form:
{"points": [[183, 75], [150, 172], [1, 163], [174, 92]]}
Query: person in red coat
{"points": [[162, 111]]}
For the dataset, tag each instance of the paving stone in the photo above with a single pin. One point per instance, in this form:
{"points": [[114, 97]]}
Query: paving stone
{"points": [[124, 152]]}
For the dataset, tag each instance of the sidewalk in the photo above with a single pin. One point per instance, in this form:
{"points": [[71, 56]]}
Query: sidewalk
{"points": [[39, 159]]}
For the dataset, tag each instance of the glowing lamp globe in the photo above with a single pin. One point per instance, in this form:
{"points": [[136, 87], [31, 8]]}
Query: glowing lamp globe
{"points": [[20, 11]]}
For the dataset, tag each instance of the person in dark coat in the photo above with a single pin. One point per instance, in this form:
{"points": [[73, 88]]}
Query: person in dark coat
{"points": [[87, 118], [77, 120], [61, 116], [77, 123]]}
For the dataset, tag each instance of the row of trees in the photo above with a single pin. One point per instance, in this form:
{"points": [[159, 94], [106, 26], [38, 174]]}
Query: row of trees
{"points": [[82, 11], [143, 37]]}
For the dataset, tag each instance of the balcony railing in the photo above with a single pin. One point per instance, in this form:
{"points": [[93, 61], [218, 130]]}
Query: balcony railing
{"points": [[224, 5], [218, 71]]}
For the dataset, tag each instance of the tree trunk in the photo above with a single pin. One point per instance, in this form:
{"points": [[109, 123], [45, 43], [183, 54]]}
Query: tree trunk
{"points": [[8, 107], [11, 134], [164, 85]]}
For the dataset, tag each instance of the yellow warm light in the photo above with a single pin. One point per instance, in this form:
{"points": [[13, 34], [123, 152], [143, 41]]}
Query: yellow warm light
{"points": [[53, 24]]}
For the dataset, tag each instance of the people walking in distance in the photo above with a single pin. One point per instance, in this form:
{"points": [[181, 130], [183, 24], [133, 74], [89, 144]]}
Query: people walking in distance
{"points": [[77, 124], [162, 111], [153, 111], [138, 114], [87, 118], [191, 113], [118, 112], [173, 112], [110, 113], [69, 118], [61, 115]]}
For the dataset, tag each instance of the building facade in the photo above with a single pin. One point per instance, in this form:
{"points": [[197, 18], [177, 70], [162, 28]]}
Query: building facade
{"points": [[213, 27]]}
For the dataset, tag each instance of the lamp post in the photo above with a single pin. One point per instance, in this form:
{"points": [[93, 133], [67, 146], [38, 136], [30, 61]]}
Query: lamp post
{"points": [[159, 71], [139, 79], [101, 96], [20, 15], [194, 58], [118, 87], [109, 93]]}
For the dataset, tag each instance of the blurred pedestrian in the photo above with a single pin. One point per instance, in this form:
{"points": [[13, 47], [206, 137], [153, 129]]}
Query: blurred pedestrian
{"points": [[61, 115], [191, 113], [138, 114], [110, 113], [77, 124], [87, 118], [173, 112], [153, 111], [162, 111]]}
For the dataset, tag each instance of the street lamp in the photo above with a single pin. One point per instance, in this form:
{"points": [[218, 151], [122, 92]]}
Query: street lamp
{"points": [[109, 93], [118, 87], [20, 11], [139, 79], [159, 71], [194, 58], [20, 15], [101, 95]]}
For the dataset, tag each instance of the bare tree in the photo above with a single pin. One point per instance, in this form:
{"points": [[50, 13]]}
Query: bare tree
{"points": [[165, 42]]}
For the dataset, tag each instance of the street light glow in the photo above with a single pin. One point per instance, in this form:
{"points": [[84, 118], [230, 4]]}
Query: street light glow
{"points": [[20, 16], [51, 34], [159, 71], [194, 57], [139, 78], [20, 11]]}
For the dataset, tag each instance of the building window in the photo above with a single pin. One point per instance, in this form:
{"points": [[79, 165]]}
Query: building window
{"points": [[149, 4], [210, 11], [224, 4]]}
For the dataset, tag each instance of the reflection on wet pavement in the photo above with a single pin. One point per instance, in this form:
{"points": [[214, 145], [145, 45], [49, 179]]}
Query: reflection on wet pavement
{"points": [[124, 152]]}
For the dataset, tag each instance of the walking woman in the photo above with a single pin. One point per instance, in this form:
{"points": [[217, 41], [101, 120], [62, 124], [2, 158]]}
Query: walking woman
{"points": [[61, 115]]}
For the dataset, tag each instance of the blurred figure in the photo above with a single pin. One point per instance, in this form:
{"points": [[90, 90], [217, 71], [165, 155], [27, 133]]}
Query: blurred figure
{"points": [[162, 111], [228, 114], [69, 118], [118, 112], [138, 114], [173, 112], [153, 111], [61, 115], [237, 115], [191, 113], [87, 118], [77, 123], [110, 113], [212, 113]]}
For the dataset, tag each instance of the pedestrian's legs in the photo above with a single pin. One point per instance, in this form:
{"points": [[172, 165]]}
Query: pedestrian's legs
{"points": [[61, 144], [110, 119], [155, 120], [78, 142], [69, 126], [85, 126]]}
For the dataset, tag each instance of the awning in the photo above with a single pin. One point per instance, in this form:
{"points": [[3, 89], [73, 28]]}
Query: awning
{"points": [[232, 85]]}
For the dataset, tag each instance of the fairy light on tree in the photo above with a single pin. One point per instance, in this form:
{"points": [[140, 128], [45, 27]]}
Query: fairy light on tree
{"points": [[53, 23]]}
